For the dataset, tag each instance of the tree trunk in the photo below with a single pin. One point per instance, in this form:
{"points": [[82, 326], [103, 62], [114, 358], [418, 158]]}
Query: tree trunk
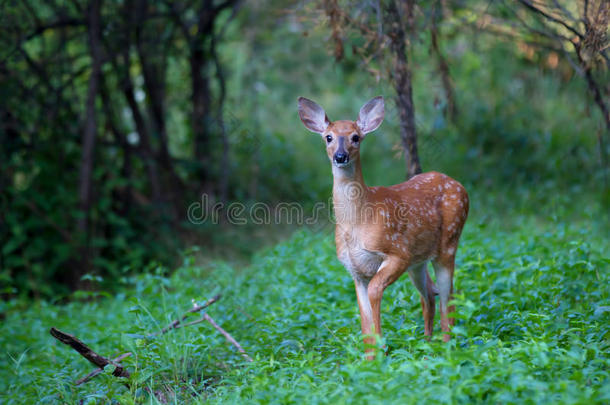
{"points": [[200, 55], [88, 141], [443, 66], [123, 195], [153, 61], [599, 99], [200, 119], [401, 80], [131, 19], [127, 87], [594, 88], [225, 164]]}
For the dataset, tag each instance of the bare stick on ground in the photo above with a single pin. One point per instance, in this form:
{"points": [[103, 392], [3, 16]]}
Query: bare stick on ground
{"points": [[100, 361], [86, 352], [227, 336], [176, 323], [197, 308], [99, 371]]}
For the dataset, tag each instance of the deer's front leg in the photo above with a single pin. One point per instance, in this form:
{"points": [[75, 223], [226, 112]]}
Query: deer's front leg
{"points": [[366, 313], [389, 271]]}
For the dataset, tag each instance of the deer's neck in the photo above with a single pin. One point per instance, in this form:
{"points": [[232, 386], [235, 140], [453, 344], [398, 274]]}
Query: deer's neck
{"points": [[350, 194]]}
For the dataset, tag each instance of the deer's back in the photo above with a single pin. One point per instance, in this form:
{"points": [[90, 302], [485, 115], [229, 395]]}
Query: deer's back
{"points": [[415, 220]]}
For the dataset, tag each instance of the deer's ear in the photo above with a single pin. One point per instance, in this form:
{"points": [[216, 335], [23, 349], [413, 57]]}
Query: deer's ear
{"points": [[371, 115], [313, 116]]}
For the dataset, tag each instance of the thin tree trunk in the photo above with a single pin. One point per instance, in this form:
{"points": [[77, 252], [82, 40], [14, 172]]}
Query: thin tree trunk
{"points": [[443, 66], [200, 45], [89, 134], [598, 98], [128, 89], [199, 61], [130, 19], [153, 72], [401, 80], [200, 90], [153, 63], [200, 98], [125, 194], [225, 163], [596, 92]]}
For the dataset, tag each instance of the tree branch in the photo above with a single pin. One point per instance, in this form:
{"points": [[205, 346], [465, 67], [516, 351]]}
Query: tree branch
{"points": [[100, 361], [227, 336], [549, 17], [87, 353], [99, 371], [41, 29], [176, 323], [205, 317], [598, 97]]}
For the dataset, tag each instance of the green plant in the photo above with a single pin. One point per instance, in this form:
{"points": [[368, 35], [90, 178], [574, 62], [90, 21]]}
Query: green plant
{"points": [[532, 326]]}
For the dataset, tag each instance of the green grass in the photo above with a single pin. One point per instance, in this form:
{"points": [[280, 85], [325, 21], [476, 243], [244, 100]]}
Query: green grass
{"points": [[533, 326]]}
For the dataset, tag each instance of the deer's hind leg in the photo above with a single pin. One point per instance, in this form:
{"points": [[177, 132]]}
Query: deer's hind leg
{"points": [[444, 266], [421, 279], [454, 213]]}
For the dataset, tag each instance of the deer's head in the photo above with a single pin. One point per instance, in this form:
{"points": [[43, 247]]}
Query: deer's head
{"points": [[342, 138]]}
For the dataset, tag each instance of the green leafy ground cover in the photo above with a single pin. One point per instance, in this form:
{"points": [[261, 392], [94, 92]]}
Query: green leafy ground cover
{"points": [[533, 326]]}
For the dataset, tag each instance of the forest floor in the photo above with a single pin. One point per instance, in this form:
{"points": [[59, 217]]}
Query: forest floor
{"points": [[533, 326]]}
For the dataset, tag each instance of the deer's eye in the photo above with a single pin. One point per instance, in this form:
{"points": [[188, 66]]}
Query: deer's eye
{"points": [[355, 138], [329, 138]]}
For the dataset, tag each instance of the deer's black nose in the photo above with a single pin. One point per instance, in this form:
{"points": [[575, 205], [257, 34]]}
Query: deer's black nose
{"points": [[341, 157]]}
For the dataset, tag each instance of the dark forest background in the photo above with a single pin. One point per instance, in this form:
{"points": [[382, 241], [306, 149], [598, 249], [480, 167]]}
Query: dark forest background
{"points": [[116, 116]]}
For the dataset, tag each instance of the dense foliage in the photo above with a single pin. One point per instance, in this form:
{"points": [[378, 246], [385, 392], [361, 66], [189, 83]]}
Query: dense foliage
{"points": [[525, 116], [533, 308]]}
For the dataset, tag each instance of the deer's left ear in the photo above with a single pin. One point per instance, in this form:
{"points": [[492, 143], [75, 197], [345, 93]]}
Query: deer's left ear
{"points": [[371, 115]]}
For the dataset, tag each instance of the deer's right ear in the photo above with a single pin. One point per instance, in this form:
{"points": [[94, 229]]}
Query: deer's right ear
{"points": [[313, 116]]}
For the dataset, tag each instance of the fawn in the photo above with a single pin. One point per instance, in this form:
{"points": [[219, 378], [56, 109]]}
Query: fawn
{"points": [[381, 232]]}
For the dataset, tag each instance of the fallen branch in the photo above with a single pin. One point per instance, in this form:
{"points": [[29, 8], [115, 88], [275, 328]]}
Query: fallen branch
{"points": [[227, 336], [86, 352], [98, 371], [100, 361], [197, 308], [175, 324]]}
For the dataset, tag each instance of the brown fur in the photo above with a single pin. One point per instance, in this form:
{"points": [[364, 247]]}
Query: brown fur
{"points": [[381, 232]]}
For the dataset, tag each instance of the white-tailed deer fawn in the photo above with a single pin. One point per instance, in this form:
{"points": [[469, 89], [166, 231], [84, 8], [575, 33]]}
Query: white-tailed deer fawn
{"points": [[381, 232]]}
